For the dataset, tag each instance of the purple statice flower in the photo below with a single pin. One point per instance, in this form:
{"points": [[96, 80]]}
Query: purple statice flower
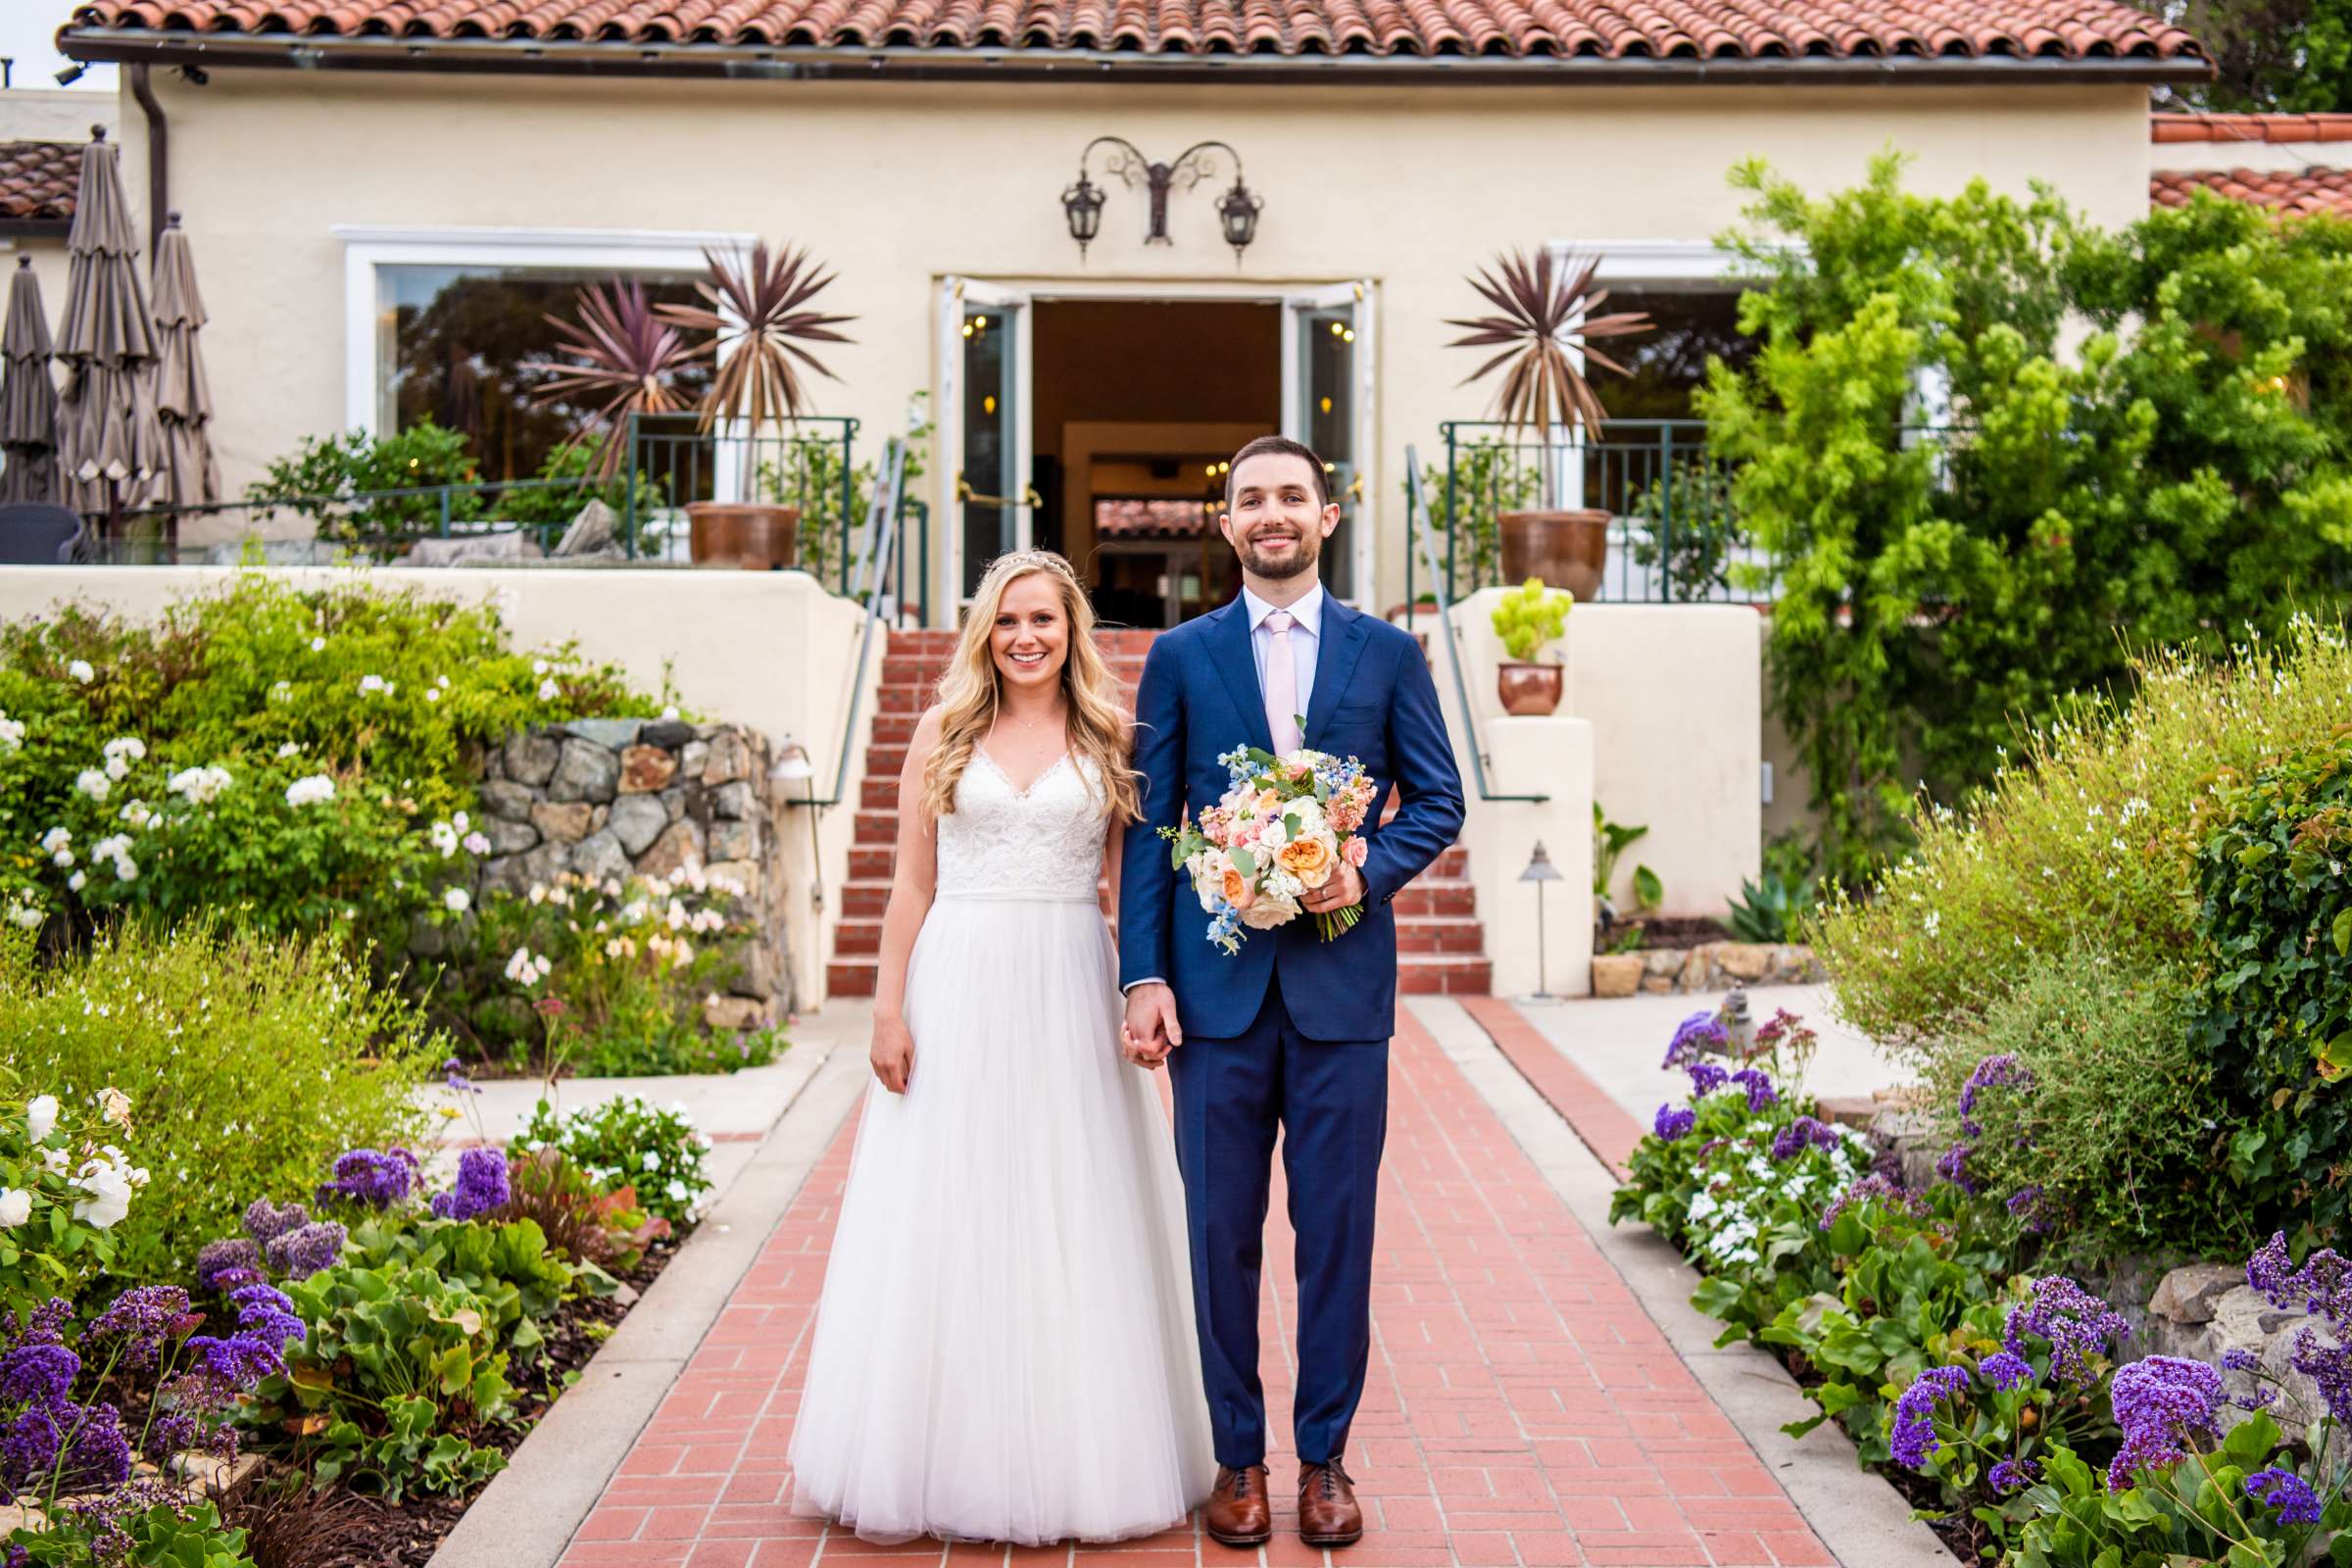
{"points": [[2329, 1366], [142, 1318], [1913, 1440], [2270, 1271], [1876, 1187], [224, 1265], [2286, 1495], [2077, 1324], [453, 1079], [371, 1179], [1692, 1035], [2003, 1071], [1673, 1123], [303, 1251], [266, 1222], [28, 1447], [1800, 1134], [239, 1362], [1705, 1078], [481, 1185], [33, 1374], [2241, 1361], [97, 1452], [266, 1313], [1952, 1167], [2006, 1370], [1761, 1095], [2162, 1403], [2012, 1476]]}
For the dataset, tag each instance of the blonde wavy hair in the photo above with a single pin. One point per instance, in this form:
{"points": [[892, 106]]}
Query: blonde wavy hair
{"points": [[969, 691]]}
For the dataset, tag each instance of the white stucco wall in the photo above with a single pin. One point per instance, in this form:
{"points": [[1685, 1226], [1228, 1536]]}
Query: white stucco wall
{"points": [[899, 184], [768, 650]]}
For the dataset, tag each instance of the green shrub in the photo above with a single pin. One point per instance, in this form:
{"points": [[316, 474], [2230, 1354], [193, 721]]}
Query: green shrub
{"points": [[2084, 844], [172, 747], [630, 964], [548, 509], [626, 1143], [2103, 1133], [65, 1185], [2275, 1003], [325, 472], [250, 1064]]}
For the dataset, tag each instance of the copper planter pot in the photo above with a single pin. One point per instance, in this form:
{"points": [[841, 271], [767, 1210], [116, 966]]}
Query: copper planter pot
{"points": [[750, 535], [1568, 550], [1530, 691]]}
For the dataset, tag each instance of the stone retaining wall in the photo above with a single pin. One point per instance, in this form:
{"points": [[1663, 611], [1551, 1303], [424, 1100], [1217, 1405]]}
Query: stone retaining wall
{"points": [[1709, 967], [609, 798]]}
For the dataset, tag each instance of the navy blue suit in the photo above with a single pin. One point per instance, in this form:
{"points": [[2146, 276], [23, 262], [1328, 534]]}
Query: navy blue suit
{"points": [[1292, 1034]]}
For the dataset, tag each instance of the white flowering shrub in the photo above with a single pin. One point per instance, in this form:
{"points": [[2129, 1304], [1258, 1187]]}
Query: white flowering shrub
{"points": [[303, 758], [66, 1184], [626, 1143]]}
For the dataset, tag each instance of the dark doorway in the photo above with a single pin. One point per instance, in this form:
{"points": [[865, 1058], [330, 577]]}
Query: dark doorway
{"points": [[1137, 403]]}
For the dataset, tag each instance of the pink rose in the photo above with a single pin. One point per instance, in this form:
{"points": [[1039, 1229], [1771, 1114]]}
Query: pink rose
{"points": [[1355, 851]]}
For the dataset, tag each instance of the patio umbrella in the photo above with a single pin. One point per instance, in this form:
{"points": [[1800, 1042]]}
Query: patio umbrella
{"points": [[28, 396], [183, 399], [109, 440]]}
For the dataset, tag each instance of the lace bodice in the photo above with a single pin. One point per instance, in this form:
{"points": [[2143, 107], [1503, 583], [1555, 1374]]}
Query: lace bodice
{"points": [[1044, 841]]}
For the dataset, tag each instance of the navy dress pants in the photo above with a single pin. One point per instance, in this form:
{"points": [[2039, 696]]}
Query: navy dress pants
{"points": [[1330, 1102]]}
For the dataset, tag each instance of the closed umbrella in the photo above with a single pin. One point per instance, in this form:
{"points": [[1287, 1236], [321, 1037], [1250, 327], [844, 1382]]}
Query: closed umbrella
{"points": [[183, 399], [28, 396], [110, 444]]}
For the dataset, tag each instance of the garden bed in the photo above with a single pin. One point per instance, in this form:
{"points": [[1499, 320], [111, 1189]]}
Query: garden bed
{"points": [[1706, 966]]}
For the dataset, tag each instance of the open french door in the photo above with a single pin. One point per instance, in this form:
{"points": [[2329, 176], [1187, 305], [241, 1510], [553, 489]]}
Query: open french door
{"points": [[982, 495], [1328, 371]]}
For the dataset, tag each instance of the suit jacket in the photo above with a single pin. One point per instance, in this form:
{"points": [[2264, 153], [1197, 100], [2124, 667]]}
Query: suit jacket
{"points": [[1373, 700]]}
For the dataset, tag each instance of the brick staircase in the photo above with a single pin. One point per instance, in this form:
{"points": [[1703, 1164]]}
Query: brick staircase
{"points": [[1440, 945]]}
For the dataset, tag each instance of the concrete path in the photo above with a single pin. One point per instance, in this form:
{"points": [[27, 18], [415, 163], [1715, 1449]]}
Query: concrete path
{"points": [[1524, 1407]]}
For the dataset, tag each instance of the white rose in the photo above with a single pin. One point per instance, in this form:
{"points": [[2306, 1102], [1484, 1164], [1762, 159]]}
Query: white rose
{"points": [[16, 1207], [457, 900], [40, 1116], [82, 671], [77, 881], [109, 1183], [114, 1105], [93, 783], [310, 791]]}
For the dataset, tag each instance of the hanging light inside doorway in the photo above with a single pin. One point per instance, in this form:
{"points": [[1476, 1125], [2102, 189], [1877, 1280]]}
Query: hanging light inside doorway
{"points": [[1237, 210]]}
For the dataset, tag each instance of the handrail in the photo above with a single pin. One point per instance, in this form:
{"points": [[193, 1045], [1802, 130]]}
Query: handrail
{"points": [[1416, 533], [873, 572]]}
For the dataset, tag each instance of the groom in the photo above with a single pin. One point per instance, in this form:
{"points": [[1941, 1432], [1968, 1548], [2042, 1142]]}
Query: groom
{"points": [[1293, 1033]]}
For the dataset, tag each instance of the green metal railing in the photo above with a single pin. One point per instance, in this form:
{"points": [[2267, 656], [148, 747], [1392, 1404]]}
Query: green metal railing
{"points": [[1675, 537], [1417, 540], [810, 464], [874, 567]]}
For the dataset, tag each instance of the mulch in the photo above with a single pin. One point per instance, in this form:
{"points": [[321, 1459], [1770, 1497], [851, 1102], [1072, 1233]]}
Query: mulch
{"points": [[350, 1530], [1678, 931]]}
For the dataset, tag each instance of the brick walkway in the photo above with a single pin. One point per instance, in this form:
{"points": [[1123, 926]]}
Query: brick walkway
{"points": [[1521, 1408]]}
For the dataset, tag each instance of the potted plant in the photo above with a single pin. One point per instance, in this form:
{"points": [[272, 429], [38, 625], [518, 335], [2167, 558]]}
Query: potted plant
{"points": [[1547, 329], [1529, 618], [758, 323]]}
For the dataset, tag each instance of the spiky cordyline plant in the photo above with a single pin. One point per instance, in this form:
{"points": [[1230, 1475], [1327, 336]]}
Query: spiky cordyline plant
{"points": [[757, 325], [621, 352], [1548, 312]]}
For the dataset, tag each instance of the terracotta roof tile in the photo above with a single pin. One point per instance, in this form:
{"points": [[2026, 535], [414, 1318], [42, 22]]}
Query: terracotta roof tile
{"points": [[38, 179], [2250, 128], [1695, 30], [2298, 192]]}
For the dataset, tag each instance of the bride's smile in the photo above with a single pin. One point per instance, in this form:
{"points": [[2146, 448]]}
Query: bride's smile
{"points": [[1031, 638]]}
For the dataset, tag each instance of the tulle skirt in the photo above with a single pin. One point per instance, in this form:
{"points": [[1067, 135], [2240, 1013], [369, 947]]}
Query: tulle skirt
{"points": [[1005, 1349]]}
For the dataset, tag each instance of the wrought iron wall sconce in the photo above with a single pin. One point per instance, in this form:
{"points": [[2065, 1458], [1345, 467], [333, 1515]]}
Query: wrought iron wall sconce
{"points": [[1237, 210]]}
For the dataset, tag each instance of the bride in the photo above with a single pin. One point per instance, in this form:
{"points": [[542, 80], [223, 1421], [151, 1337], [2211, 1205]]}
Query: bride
{"points": [[1005, 1347]]}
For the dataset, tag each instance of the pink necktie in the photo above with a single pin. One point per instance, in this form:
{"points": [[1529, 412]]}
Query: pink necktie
{"points": [[1282, 684]]}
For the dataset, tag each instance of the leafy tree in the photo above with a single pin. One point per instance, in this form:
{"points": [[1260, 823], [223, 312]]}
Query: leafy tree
{"points": [[1970, 515], [2284, 56]]}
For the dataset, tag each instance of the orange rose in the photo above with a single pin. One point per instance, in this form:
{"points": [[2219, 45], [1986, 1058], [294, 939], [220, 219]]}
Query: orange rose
{"points": [[1237, 889], [1310, 860]]}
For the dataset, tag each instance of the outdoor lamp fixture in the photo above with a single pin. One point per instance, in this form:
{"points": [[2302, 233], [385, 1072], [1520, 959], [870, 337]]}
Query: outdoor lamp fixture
{"points": [[791, 766], [1236, 209], [1739, 1024], [1540, 871]]}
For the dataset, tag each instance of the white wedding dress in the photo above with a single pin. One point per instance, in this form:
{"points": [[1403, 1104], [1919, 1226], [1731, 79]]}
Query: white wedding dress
{"points": [[1005, 1347]]}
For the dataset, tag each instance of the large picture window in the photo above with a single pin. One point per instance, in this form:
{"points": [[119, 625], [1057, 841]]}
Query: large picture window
{"points": [[455, 343]]}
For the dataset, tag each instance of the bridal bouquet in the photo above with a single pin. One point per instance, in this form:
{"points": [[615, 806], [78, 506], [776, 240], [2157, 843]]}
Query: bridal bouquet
{"points": [[1284, 826]]}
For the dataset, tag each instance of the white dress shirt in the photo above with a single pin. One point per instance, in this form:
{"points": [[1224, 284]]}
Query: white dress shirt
{"points": [[1305, 637]]}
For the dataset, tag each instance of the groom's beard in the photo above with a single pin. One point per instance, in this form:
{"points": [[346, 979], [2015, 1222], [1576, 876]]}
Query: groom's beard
{"points": [[1298, 560]]}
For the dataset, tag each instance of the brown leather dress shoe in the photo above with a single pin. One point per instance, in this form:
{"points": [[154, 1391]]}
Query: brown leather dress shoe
{"points": [[1238, 1513], [1328, 1512]]}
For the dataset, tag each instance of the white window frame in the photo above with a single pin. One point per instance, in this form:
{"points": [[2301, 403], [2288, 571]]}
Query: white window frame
{"points": [[367, 247]]}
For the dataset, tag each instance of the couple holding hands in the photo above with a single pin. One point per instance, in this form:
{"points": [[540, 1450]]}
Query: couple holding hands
{"points": [[1040, 1321]]}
